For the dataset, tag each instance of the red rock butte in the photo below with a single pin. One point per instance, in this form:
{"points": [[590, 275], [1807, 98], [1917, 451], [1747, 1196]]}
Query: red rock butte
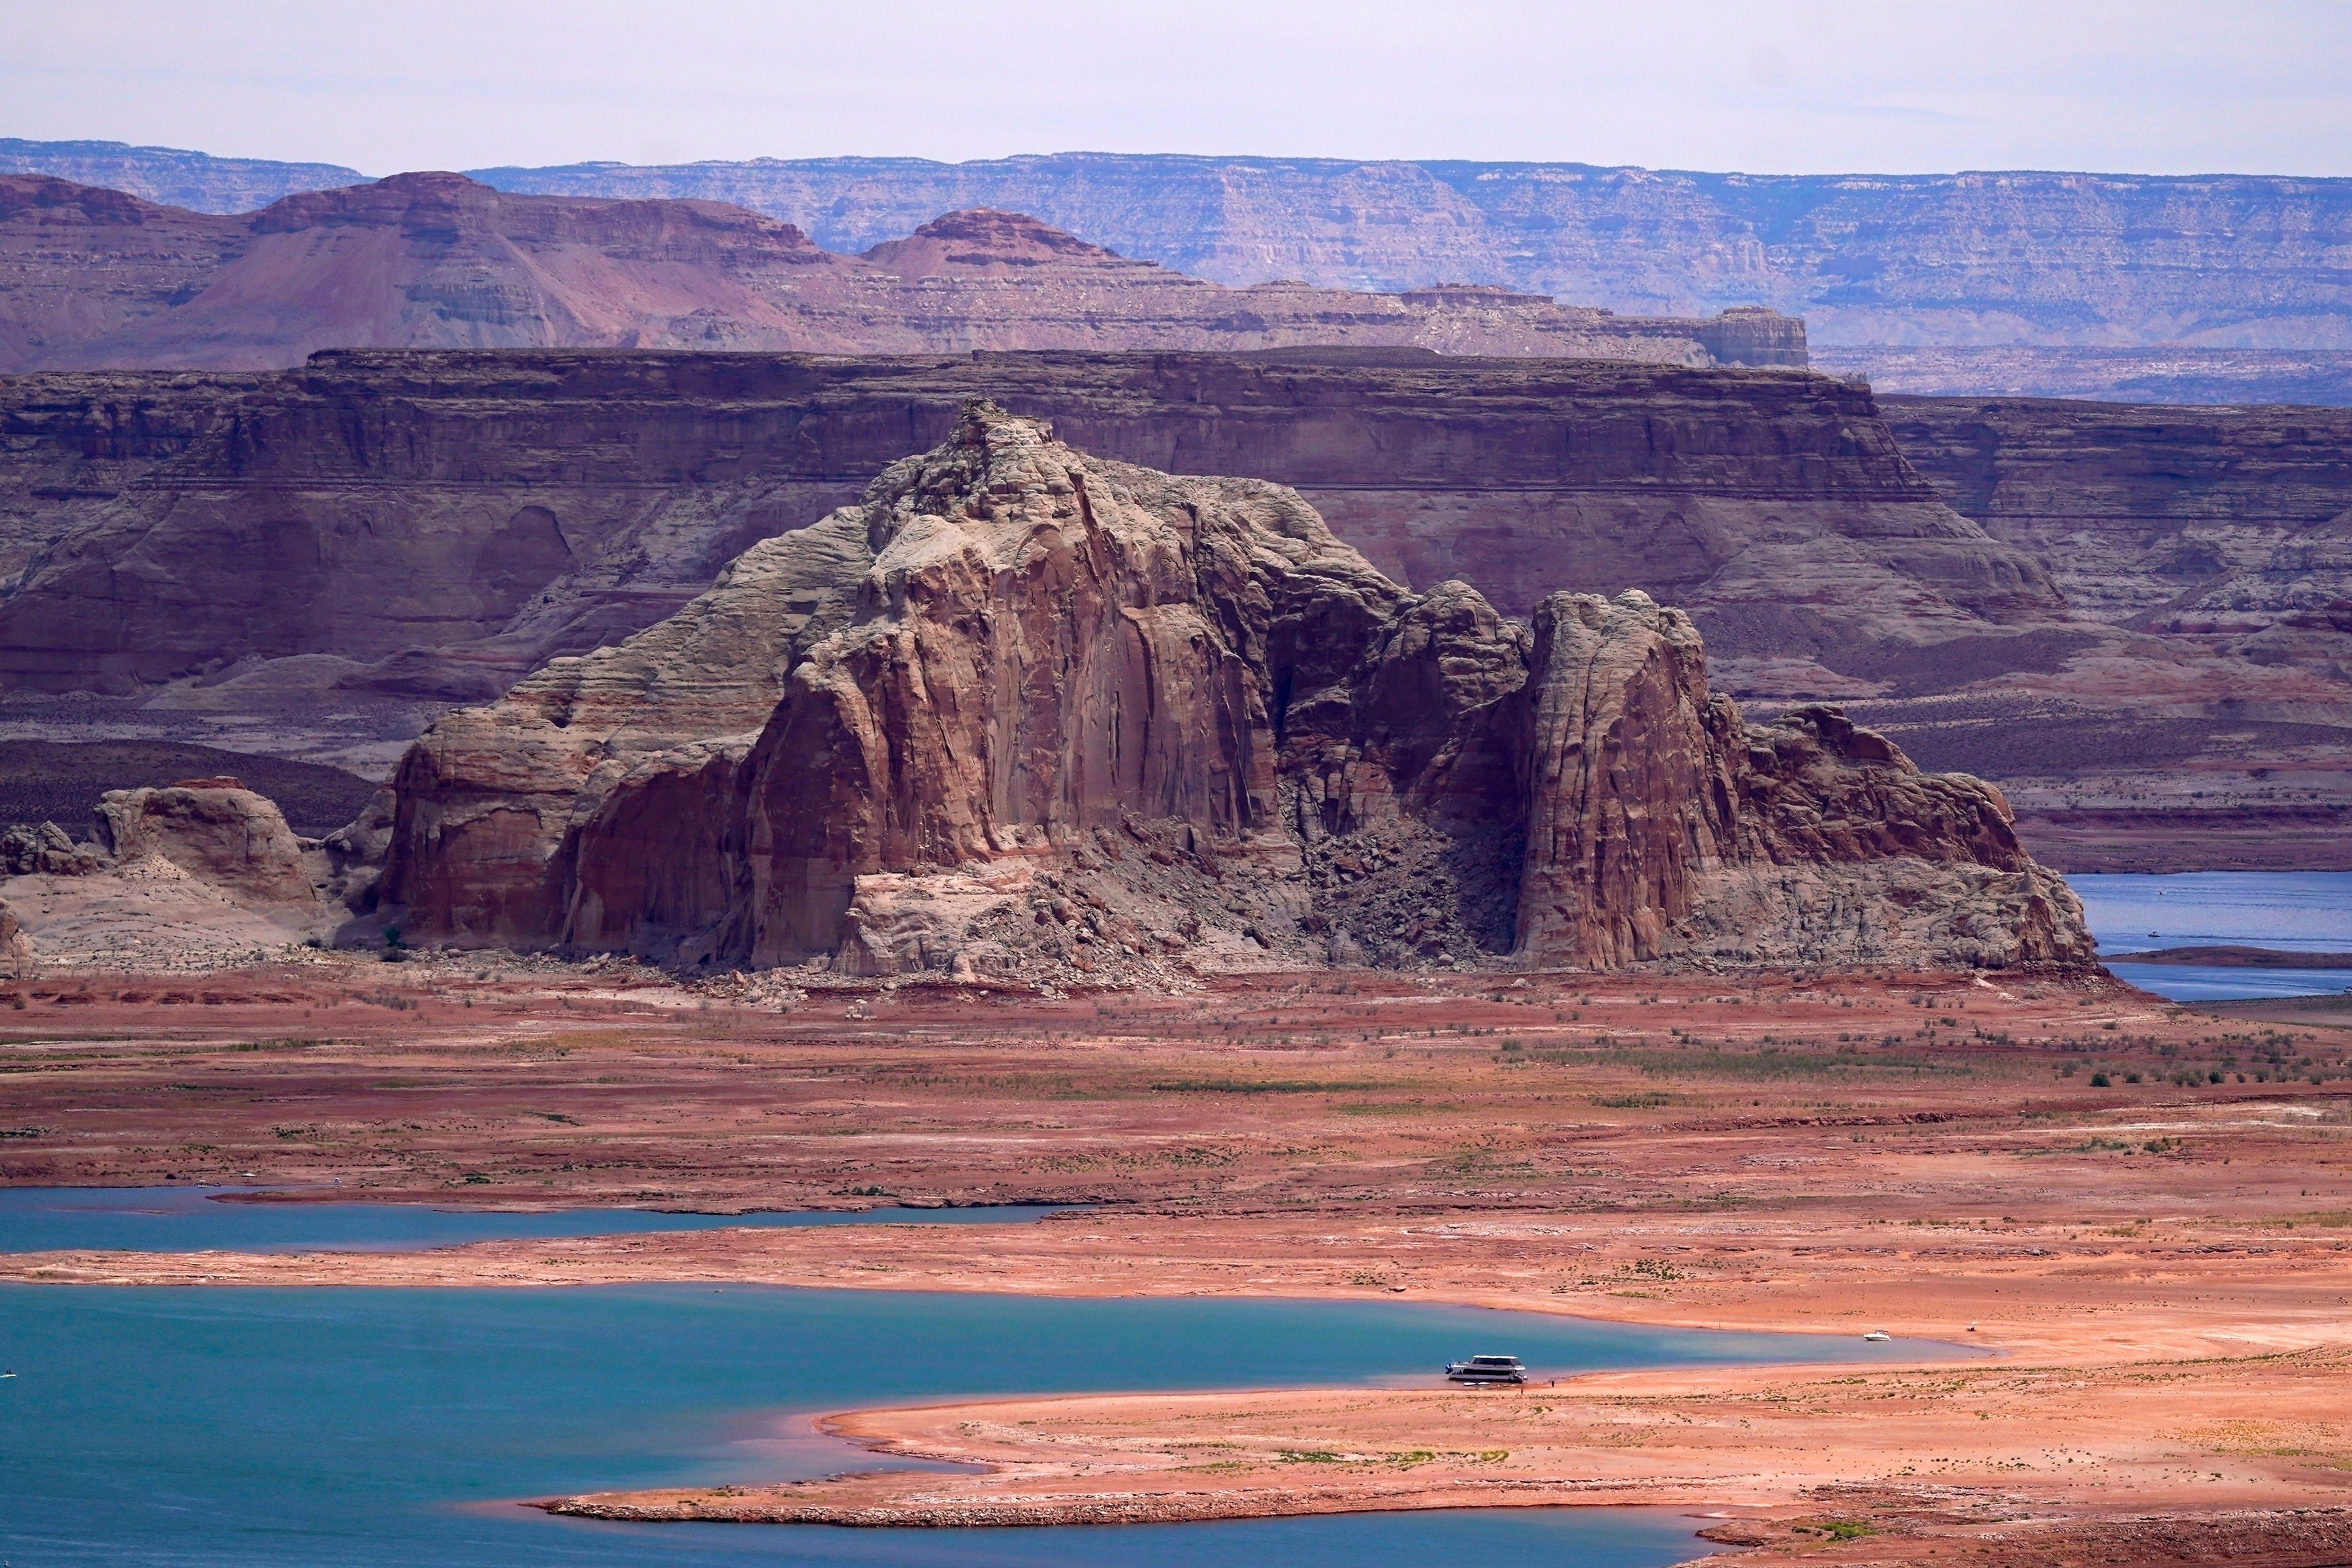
{"points": [[92, 277], [893, 741]]}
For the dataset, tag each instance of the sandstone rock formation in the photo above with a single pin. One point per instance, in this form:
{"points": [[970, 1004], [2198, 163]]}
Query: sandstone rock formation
{"points": [[45, 851], [193, 875], [1974, 571], [92, 277], [15, 949], [214, 829], [1020, 706]]}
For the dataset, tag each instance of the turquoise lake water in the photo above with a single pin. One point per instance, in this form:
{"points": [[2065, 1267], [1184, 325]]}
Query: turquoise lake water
{"points": [[194, 1219], [2291, 911], [205, 1428]]}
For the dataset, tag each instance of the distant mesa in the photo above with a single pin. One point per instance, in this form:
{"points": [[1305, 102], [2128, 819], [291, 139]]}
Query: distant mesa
{"points": [[172, 176], [1984, 282], [953, 244], [93, 279]]}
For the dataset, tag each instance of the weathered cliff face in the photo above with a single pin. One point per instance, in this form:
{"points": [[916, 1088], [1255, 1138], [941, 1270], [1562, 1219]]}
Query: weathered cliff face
{"points": [[94, 278], [2207, 724], [2001, 256], [503, 510], [174, 176], [1015, 675], [1659, 824]]}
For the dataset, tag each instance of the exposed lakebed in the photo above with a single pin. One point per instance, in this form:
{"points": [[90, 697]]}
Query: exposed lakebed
{"points": [[347, 1426], [2284, 911]]}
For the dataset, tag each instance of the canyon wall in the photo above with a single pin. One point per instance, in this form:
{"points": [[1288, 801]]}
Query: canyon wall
{"points": [[2168, 375], [502, 509], [1012, 667], [319, 561], [94, 278], [2214, 726], [2144, 511], [173, 176], [1996, 257], [2002, 257]]}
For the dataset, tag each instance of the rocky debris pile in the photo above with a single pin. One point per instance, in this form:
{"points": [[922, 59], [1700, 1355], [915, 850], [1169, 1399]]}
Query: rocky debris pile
{"points": [[1027, 714], [47, 850]]}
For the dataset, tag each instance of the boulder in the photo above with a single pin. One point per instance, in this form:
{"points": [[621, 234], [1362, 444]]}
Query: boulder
{"points": [[216, 830], [46, 851]]}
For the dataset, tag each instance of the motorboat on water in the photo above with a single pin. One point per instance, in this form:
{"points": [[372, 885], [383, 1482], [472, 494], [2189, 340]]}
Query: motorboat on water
{"points": [[1487, 1369]]}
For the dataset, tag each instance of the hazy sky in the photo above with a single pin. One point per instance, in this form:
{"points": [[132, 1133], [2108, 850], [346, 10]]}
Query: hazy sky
{"points": [[2154, 86]]}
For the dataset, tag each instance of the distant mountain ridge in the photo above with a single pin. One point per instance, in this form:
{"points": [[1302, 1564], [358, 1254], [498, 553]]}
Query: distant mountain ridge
{"points": [[2227, 260], [171, 175], [91, 278], [2242, 262]]}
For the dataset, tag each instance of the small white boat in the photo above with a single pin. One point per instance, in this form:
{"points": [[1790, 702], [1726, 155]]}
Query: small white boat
{"points": [[1877, 1337], [1487, 1369]]}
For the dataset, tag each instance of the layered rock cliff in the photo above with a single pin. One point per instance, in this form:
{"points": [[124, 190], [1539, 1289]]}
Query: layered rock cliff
{"points": [[2001, 256], [91, 278], [2172, 374], [2209, 723], [1024, 706], [1983, 256], [175, 176], [503, 510]]}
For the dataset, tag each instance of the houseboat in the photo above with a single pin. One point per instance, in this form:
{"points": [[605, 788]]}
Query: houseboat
{"points": [[1487, 1369]]}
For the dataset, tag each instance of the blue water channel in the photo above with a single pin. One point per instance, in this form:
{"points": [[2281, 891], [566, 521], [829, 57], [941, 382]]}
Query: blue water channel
{"points": [[2288, 912], [330, 1426], [197, 1219]]}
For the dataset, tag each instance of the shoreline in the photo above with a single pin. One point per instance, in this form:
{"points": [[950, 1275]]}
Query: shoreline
{"points": [[2161, 1262], [2278, 1365]]}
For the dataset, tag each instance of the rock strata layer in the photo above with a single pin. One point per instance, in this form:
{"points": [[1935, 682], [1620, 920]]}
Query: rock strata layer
{"points": [[1024, 712], [1987, 256], [91, 277], [505, 509], [1980, 256]]}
